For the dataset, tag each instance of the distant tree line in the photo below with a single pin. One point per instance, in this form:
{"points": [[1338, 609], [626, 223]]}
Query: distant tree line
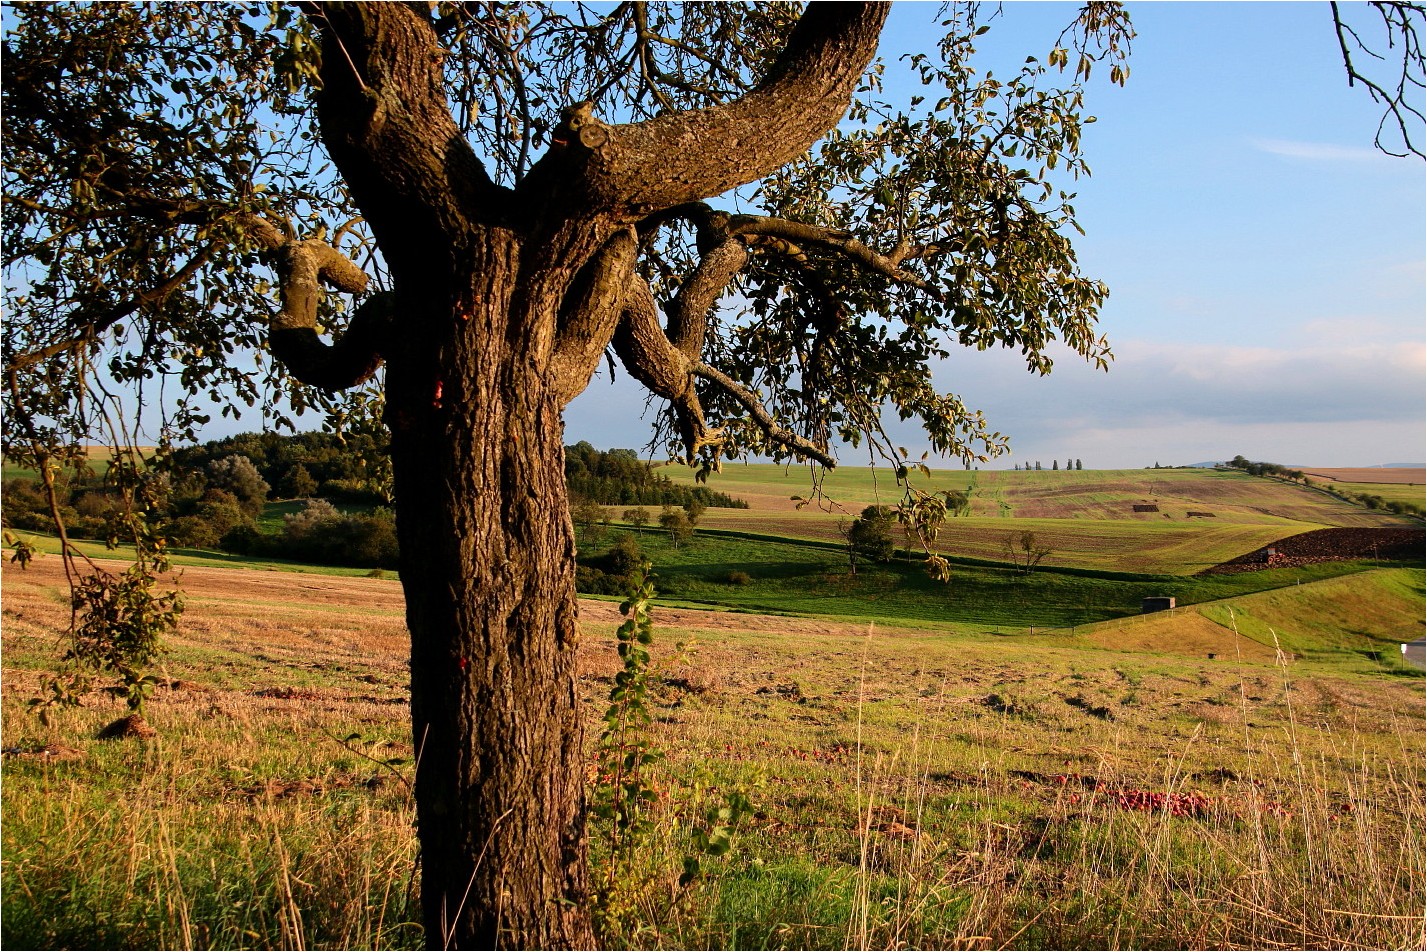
{"points": [[215, 505], [621, 478], [1266, 469], [213, 496], [1369, 500], [1378, 503], [341, 468], [1054, 465]]}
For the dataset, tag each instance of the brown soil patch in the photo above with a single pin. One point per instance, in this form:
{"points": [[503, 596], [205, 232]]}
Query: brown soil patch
{"points": [[1330, 545]]}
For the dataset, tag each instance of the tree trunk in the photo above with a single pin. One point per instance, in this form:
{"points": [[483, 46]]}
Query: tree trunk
{"points": [[487, 563], [491, 334]]}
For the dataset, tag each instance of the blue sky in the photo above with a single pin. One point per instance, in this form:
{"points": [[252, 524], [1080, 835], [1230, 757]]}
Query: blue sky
{"points": [[1266, 266]]}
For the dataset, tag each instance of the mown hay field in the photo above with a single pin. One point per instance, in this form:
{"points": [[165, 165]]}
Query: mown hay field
{"points": [[937, 786]]}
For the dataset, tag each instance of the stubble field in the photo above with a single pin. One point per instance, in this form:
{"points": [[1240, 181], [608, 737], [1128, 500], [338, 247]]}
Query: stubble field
{"points": [[936, 786]]}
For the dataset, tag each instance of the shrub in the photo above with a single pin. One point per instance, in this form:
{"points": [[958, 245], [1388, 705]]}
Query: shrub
{"points": [[27, 508], [591, 581], [245, 540], [237, 475], [614, 572], [192, 532], [299, 526], [738, 578], [297, 483], [353, 492], [319, 533], [625, 557], [870, 536]]}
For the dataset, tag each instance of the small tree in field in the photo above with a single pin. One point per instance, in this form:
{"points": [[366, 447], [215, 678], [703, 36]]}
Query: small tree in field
{"points": [[637, 517], [677, 523], [590, 516], [1025, 551], [869, 536], [451, 215]]}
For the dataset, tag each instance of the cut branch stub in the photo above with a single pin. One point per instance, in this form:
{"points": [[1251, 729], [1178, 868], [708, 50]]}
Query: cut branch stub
{"points": [[293, 337]]}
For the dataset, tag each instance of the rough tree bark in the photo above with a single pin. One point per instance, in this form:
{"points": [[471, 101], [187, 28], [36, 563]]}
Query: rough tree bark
{"points": [[504, 300]]}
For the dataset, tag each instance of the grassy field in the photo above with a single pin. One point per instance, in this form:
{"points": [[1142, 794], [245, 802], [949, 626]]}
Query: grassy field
{"points": [[941, 786], [1154, 548], [1389, 492], [1226, 496], [793, 577], [784, 576], [1006, 761]]}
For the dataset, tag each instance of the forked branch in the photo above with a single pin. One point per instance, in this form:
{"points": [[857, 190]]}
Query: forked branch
{"points": [[352, 358]]}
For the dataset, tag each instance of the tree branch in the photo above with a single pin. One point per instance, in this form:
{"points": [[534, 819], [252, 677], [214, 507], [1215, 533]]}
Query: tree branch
{"points": [[1396, 17], [750, 402], [387, 124], [293, 337], [88, 327], [649, 357], [590, 313], [689, 311], [697, 154], [843, 242]]}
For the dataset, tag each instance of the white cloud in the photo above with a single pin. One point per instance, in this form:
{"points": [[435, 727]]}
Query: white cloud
{"points": [[1317, 151], [1363, 398]]}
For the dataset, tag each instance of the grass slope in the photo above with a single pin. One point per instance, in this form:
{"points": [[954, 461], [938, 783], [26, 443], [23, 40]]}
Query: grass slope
{"points": [[1353, 623], [785, 576]]}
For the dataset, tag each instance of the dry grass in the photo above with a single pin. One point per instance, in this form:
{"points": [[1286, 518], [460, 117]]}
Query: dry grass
{"points": [[912, 788]]}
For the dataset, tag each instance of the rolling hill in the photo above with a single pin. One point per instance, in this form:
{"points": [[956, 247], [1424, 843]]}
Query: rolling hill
{"points": [[1166, 521]]}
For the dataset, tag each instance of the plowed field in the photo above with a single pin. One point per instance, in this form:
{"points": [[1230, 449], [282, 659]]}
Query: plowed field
{"points": [[1410, 477]]}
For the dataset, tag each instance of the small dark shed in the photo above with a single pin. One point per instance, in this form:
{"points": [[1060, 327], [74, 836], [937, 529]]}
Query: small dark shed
{"points": [[1156, 604]]}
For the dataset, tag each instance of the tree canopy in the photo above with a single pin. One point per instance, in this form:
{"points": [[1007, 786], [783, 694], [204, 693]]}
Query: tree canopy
{"points": [[159, 156]]}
